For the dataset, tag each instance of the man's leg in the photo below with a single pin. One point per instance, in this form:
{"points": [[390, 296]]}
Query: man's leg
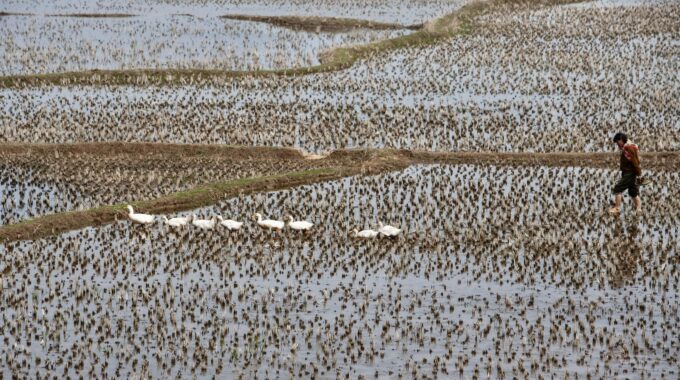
{"points": [[621, 186], [618, 198], [634, 193], [638, 204]]}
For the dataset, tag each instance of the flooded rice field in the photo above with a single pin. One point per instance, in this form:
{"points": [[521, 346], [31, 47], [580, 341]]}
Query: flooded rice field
{"points": [[40, 45], [25, 196], [498, 272], [543, 79], [513, 271], [395, 11]]}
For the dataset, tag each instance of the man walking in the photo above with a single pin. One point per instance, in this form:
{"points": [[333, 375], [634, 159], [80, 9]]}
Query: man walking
{"points": [[630, 171]]}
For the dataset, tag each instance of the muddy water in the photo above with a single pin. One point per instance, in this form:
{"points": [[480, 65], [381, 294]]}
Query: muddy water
{"points": [[161, 41], [498, 272], [395, 11], [23, 196]]}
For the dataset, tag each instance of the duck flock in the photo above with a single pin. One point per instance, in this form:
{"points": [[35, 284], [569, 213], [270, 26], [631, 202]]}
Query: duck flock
{"points": [[233, 225], [528, 280]]}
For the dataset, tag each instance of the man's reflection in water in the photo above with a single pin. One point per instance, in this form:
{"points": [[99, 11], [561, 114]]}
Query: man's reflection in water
{"points": [[626, 252]]}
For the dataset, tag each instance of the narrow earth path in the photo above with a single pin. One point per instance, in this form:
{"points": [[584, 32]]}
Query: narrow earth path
{"points": [[321, 24]]}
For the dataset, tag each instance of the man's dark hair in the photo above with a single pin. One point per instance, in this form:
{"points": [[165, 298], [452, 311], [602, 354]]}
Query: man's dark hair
{"points": [[621, 136]]}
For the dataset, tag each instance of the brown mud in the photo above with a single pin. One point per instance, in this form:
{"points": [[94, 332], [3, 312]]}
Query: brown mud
{"points": [[321, 24]]}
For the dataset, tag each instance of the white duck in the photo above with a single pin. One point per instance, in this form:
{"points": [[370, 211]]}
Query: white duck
{"points": [[268, 223], [204, 224], [388, 230], [365, 234], [179, 221], [231, 225], [299, 225], [139, 218]]}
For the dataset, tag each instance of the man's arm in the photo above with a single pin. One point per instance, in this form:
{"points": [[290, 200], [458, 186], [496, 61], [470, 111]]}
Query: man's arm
{"points": [[635, 159]]}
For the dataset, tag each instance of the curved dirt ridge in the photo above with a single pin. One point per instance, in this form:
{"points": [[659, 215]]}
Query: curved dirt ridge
{"points": [[93, 15], [321, 24], [82, 15]]}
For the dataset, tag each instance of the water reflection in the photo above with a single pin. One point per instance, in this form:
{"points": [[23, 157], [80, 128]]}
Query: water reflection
{"points": [[536, 278]]}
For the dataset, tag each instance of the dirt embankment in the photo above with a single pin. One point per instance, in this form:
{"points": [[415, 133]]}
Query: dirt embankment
{"points": [[337, 164], [93, 15], [86, 15], [321, 24], [123, 148], [2, 14]]}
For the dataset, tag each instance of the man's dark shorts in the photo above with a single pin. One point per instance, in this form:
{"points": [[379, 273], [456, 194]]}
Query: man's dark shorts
{"points": [[627, 182]]}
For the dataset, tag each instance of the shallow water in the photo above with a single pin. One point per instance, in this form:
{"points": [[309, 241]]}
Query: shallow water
{"points": [[24, 196], [497, 270], [550, 79], [37, 45], [395, 11]]}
